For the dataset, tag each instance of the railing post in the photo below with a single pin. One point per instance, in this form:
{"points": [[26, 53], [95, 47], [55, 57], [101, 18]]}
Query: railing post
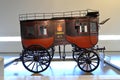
{"points": [[71, 13], [43, 15], [52, 15], [26, 16], [35, 15], [79, 13]]}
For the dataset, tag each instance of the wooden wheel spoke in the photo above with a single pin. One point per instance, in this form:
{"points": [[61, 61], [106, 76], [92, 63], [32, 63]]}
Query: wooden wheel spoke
{"points": [[37, 66], [81, 62], [94, 61], [93, 65], [84, 66], [40, 65], [92, 56], [90, 66], [30, 64], [33, 66], [88, 54]]}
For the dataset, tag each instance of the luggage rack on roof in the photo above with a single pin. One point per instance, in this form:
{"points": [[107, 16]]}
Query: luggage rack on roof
{"points": [[78, 13]]}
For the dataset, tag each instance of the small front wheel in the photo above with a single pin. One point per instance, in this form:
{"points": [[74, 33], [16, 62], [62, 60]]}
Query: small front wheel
{"points": [[88, 61]]}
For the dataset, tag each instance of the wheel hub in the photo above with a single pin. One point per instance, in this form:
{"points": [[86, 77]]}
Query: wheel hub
{"points": [[36, 58], [88, 61]]}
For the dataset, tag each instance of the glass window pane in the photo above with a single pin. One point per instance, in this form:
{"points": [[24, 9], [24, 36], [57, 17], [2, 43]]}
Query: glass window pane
{"points": [[93, 27], [30, 31], [43, 30], [85, 28]]}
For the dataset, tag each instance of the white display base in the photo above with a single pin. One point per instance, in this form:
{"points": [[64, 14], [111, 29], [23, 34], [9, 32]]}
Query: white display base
{"points": [[1, 68]]}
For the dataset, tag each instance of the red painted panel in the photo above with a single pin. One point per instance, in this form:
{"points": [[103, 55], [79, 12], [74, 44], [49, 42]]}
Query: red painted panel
{"points": [[46, 43], [83, 41]]}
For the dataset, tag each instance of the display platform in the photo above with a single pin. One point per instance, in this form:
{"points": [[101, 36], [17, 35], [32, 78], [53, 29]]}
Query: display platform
{"points": [[60, 69], [1, 68]]}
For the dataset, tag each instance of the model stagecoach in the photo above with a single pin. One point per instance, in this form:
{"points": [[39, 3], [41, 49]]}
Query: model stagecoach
{"points": [[41, 32]]}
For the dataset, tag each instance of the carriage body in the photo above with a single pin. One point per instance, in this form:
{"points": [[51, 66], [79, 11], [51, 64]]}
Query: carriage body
{"points": [[80, 31], [77, 28]]}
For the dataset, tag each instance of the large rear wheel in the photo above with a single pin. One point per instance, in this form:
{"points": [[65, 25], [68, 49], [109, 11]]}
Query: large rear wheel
{"points": [[36, 59]]}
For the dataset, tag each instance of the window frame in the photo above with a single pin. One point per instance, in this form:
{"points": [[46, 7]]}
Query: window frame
{"points": [[93, 27]]}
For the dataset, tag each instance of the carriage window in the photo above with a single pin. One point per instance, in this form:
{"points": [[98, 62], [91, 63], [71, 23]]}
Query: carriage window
{"points": [[43, 30], [93, 27], [83, 27], [30, 31]]}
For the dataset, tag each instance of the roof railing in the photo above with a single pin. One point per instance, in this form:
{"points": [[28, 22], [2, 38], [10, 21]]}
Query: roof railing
{"points": [[33, 16]]}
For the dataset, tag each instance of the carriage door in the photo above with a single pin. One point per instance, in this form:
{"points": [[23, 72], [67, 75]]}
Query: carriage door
{"points": [[59, 26]]}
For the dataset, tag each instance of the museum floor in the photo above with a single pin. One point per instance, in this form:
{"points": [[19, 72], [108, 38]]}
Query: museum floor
{"points": [[63, 70]]}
